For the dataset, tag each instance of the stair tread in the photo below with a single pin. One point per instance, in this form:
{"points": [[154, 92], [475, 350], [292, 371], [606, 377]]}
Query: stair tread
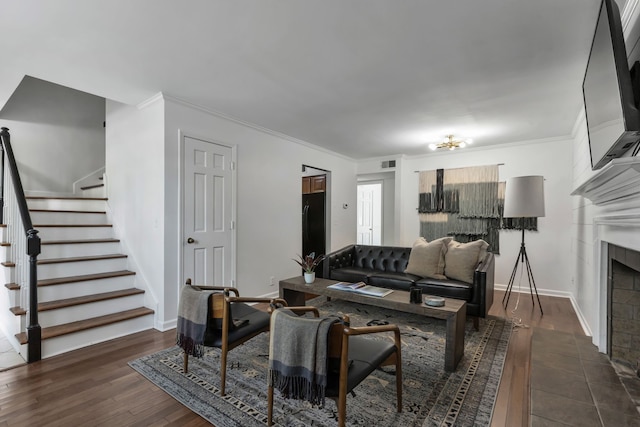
{"points": [[84, 277], [70, 225], [89, 187], [85, 299], [80, 258], [79, 241], [12, 286], [63, 198], [67, 211], [81, 325]]}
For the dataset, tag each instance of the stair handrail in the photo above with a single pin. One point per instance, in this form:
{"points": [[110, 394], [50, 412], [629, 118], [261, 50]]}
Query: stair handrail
{"points": [[34, 332]]}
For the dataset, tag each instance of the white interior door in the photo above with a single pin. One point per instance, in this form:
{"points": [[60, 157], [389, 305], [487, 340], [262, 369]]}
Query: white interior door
{"points": [[369, 214], [207, 217]]}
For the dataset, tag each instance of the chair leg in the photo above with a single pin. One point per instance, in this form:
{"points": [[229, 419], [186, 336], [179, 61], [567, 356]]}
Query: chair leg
{"points": [[223, 372], [398, 383], [270, 406], [342, 409], [185, 364], [476, 323]]}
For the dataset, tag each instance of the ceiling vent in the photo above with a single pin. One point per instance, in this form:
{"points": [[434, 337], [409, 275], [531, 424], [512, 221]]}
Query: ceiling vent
{"points": [[388, 164]]}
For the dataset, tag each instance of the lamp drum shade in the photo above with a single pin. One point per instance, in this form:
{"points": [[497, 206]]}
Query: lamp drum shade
{"points": [[524, 197]]}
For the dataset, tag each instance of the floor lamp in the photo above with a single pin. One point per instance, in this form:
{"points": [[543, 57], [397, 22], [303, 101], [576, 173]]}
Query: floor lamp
{"points": [[524, 198]]}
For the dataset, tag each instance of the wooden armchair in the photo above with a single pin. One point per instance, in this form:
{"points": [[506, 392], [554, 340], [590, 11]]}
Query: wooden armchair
{"points": [[231, 322], [356, 356]]}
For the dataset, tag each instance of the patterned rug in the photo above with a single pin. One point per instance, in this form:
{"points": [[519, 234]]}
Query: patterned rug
{"points": [[431, 396]]}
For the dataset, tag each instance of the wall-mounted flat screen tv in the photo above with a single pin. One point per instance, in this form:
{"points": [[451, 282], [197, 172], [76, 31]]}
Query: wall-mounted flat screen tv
{"points": [[613, 121]]}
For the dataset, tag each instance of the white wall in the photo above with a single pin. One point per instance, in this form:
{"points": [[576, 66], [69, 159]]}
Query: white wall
{"points": [[585, 241], [135, 176], [549, 248], [62, 125], [268, 198]]}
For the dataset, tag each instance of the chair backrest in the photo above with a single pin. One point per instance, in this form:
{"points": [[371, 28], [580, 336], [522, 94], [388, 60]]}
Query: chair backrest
{"points": [[217, 302]]}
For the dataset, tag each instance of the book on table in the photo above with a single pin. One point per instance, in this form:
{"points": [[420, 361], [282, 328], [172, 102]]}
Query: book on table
{"points": [[361, 288]]}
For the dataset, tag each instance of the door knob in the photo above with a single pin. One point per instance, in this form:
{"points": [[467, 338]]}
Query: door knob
{"points": [[190, 240]]}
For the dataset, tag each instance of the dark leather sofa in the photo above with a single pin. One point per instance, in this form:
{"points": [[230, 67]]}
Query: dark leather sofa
{"points": [[384, 266]]}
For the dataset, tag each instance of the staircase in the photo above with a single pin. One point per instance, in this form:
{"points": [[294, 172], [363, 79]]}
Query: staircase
{"points": [[86, 293]]}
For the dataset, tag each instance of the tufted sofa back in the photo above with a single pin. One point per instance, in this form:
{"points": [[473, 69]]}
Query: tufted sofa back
{"points": [[381, 258]]}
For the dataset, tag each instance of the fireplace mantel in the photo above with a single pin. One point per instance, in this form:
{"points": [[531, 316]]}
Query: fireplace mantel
{"points": [[617, 181]]}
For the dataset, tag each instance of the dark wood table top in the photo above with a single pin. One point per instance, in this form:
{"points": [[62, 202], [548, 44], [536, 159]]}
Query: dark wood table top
{"points": [[396, 300]]}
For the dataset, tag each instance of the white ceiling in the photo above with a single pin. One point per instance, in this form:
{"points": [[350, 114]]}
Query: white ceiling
{"points": [[364, 78]]}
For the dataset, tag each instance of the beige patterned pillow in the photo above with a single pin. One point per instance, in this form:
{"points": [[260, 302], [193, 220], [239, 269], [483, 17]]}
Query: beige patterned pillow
{"points": [[461, 259], [427, 259]]}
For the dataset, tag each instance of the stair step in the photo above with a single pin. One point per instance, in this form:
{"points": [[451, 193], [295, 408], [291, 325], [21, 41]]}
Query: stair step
{"points": [[70, 225], [81, 325], [8, 264], [70, 302], [64, 198], [84, 277], [79, 241], [12, 286], [64, 211], [89, 187], [80, 259]]}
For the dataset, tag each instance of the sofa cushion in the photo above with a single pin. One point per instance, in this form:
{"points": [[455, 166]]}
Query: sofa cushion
{"points": [[400, 281], [461, 259], [427, 259], [446, 288]]}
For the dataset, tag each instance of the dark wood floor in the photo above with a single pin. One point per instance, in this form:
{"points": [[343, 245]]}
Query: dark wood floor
{"points": [[95, 386]]}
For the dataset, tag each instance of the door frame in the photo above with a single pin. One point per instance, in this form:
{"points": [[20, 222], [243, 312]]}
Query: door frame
{"points": [[234, 201]]}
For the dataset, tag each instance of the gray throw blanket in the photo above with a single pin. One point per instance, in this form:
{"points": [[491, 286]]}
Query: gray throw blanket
{"points": [[298, 355], [193, 310]]}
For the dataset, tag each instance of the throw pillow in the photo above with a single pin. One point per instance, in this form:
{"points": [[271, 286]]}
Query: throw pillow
{"points": [[427, 259], [461, 259]]}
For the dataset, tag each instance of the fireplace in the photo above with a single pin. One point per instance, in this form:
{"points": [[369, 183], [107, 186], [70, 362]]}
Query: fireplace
{"points": [[623, 305]]}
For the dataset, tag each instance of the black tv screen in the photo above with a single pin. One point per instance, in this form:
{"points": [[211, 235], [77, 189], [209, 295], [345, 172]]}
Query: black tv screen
{"points": [[613, 122]]}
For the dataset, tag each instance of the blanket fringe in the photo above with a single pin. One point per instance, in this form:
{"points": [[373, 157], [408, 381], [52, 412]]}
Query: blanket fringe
{"points": [[189, 346], [296, 387]]}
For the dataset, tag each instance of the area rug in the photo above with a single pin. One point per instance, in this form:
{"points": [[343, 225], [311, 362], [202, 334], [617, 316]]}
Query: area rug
{"points": [[431, 395]]}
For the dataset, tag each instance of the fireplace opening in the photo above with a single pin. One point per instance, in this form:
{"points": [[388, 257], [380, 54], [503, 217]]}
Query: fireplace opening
{"points": [[623, 314]]}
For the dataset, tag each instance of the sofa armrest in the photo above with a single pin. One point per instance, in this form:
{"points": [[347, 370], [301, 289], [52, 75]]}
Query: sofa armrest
{"points": [[344, 257], [483, 281]]}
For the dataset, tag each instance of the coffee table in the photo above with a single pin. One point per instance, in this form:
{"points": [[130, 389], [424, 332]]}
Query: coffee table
{"points": [[454, 311]]}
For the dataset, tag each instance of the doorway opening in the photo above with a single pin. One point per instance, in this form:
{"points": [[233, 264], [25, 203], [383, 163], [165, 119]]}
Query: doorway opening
{"points": [[315, 212], [369, 213]]}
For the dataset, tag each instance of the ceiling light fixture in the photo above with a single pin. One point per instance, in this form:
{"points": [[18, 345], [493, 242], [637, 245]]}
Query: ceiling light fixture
{"points": [[451, 144]]}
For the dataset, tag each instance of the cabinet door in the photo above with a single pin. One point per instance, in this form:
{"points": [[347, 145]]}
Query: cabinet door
{"points": [[306, 185], [318, 184]]}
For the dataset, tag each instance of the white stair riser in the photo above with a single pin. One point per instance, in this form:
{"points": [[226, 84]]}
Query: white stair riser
{"points": [[94, 192], [70, 250], [65, 343], [5, 253], [13, 297], [67, 204], [80, 289], [75, 233], [68, 218], [67, 269], [86, 311]]}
